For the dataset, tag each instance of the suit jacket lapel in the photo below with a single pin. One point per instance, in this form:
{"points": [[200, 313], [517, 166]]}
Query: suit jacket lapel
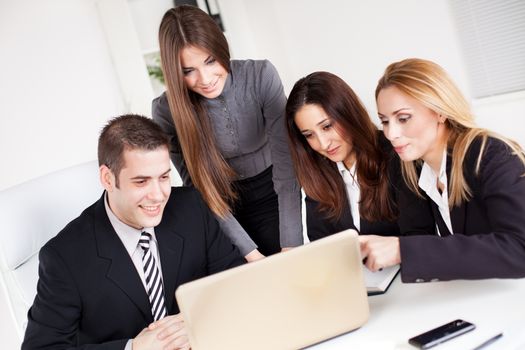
{"points": [[457, 214], [170, 251], [347, 220], [121, 270], [457, 217], [443, 229]]}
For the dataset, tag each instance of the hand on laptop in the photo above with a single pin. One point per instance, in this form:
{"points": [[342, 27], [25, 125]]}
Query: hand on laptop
{"points": [[379, 251], [254, 255], [168, 333]]}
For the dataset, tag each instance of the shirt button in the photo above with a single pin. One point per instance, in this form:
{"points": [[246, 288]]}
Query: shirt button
{"points": [[419, 280]]}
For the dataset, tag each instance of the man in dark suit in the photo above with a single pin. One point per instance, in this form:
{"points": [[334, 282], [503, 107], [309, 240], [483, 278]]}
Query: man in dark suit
{"points": [[93, 289]]}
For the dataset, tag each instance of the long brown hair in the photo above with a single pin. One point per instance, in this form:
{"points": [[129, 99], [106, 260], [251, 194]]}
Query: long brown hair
{"points": [[181, 27], [429, 84], [319, 176]]}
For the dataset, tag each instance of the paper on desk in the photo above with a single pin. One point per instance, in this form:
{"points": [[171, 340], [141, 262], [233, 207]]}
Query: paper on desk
{"points": [[380, 280]]}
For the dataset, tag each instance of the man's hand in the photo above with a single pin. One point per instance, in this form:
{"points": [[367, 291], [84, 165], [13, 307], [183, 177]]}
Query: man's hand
{"points": [[146, 340], [379, 251], [254, 255], [170, 333]]}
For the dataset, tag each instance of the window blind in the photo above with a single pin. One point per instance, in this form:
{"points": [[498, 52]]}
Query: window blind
{"points": [[492, 37]]}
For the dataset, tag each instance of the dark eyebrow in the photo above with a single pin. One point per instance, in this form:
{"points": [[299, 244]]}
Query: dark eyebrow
{"points": [[400, 109], [393, 113], [142, 177], [207, 60], [321, 122]]}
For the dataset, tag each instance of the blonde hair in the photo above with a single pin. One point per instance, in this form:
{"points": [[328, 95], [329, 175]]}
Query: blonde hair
{"points": [[181, 27], [429, 84]]}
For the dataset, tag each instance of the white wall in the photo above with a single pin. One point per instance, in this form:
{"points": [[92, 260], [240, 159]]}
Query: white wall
{"points": [[504, 114], [357, 40], [147, 15], [354, 39], [59, 82]]}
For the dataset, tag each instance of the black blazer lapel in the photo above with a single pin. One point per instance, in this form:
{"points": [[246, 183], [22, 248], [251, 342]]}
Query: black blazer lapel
{"points": [[170, 251], [121, 271], [457, 214], [457, 217], [443, 229], [347, 220]]}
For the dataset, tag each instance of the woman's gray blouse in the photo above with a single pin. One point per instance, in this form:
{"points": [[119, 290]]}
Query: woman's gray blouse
{"points": [[249, 126]]}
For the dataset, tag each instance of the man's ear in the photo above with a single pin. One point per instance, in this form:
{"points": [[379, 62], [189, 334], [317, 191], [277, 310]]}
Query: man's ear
{"points": [[107, 179]]}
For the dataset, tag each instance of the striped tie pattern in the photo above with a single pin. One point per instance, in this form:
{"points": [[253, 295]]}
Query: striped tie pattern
{"points": [[153, 279]]}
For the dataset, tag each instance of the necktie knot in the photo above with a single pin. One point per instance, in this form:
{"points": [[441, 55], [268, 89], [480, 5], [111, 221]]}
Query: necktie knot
{"points": [[144, 240]]}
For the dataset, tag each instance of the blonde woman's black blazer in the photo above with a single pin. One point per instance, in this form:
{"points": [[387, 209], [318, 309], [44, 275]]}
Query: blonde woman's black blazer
{"points": [[489, 229]]}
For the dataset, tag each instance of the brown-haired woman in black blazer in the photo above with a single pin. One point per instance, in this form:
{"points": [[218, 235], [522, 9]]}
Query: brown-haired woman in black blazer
{"points": [[341, 159]]}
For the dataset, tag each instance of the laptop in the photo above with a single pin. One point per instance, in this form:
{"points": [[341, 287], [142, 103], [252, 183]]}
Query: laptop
{"points": [[286, 301]]}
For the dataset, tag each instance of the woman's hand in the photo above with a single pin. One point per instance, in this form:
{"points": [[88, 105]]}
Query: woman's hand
{"points": [[254, 255], [379, 251]]}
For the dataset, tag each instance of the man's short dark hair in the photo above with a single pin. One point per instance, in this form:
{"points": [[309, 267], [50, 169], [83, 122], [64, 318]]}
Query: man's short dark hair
{"points": [[128, 132]]}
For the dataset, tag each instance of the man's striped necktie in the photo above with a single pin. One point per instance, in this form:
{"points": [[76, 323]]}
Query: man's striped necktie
{"points": [[153, 279]]}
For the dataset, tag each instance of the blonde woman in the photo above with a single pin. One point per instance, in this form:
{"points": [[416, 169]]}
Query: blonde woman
{"points": [[225, 119], [470, 181]]}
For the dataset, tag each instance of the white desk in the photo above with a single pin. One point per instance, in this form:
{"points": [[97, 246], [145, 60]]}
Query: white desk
{"points": [[410, 309]]}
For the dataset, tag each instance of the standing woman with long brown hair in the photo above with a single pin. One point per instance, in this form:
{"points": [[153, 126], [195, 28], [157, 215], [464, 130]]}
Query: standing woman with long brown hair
{"points": [[341, 159], [225, 121]]}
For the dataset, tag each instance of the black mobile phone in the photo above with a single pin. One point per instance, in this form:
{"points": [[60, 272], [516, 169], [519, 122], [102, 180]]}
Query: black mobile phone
{"points": [[441, 334]]}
